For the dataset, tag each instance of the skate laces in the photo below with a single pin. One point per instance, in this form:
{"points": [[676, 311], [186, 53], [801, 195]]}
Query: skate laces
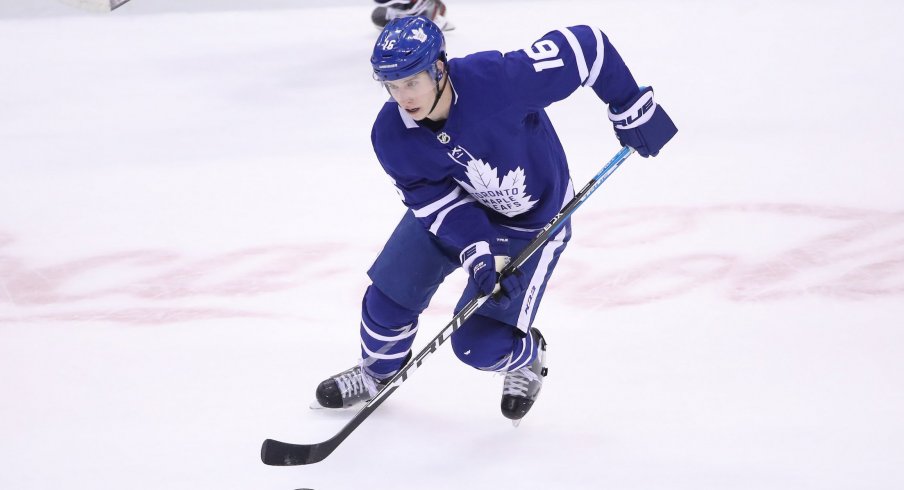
{"points": [[355, 381], [517, 382]]}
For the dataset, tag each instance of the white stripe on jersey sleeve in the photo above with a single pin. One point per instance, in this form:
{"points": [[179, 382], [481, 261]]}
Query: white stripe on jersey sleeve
{"points": [[598, 62], [578, 53], [438, 204], [441, 216]]}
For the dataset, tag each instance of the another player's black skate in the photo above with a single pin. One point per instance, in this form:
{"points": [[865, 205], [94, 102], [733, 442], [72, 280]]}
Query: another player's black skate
{"points": [[521, 387], [434, 10], [347, 389]]}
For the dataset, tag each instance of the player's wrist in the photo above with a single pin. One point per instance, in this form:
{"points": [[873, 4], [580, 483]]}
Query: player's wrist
{"points": [[473, 252], [643, 124]]}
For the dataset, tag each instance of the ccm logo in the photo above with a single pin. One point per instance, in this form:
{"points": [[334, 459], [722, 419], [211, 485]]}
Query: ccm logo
{"points": [[632, 119]]}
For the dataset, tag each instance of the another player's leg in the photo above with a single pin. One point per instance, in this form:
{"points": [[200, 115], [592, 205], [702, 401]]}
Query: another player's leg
{"points": [[434, 10]]}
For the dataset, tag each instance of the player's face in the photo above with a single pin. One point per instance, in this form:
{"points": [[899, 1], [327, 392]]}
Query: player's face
{"points": [[415, 94]]}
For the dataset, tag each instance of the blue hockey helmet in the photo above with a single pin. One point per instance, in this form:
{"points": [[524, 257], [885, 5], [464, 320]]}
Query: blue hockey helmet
{"points": [[407, 46]]}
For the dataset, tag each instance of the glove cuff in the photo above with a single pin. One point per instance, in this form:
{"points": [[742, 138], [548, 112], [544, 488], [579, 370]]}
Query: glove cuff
{"points": [[470, 253], [640, 110]]}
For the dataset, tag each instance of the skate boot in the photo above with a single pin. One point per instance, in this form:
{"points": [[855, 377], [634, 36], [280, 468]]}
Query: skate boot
{"points": [[434, 10], [521, 387], [347, 389]]}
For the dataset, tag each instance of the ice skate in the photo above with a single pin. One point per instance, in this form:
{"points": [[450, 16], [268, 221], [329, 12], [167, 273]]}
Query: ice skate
{"points": [[434, 10], [347, 389], [521, 387]]}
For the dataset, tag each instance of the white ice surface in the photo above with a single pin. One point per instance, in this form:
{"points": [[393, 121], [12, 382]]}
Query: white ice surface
{"points": [[189, 200]]}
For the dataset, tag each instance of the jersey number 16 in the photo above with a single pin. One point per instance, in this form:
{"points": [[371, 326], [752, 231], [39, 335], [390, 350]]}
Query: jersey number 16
{"points": [[543, 53]]}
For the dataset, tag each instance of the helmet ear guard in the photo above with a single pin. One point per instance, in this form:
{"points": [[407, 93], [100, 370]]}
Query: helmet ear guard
{"points": [[436, 74]]}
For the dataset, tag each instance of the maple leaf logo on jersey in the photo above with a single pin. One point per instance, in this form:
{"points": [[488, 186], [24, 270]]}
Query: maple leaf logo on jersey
{"points": [[508, 196]]}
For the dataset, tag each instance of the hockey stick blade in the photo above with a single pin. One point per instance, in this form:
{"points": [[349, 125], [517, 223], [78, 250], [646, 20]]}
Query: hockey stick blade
{"points": [[276, 453]]}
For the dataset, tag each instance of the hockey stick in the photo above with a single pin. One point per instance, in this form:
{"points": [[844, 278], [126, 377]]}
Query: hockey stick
{"points": [[276, 453]]}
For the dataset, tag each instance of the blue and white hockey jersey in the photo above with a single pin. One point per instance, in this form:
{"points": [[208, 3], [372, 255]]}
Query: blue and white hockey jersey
{"points": [[497, 164]]}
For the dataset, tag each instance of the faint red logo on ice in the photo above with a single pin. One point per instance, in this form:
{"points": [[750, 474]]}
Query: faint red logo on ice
{"points": [[754, 252], [153, 286], [741, 252]]}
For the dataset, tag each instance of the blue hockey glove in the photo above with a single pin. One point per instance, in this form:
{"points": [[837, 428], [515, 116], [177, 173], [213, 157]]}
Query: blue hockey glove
{"points": [[644, 125], [477, 259], [511, 286], [482, 265]]}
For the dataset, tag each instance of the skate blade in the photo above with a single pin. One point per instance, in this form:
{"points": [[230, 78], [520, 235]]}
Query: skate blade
{"points": [[318, 407]]}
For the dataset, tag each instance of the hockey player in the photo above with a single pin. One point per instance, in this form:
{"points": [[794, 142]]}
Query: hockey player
{"points": [[478, 164], [434, 10]]}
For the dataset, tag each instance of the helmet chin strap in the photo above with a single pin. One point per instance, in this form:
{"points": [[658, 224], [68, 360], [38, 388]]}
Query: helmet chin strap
{"points": [[439, 92]]}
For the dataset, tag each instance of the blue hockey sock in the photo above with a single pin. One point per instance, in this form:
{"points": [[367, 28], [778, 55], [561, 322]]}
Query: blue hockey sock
{"points": [[387, 333]]}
